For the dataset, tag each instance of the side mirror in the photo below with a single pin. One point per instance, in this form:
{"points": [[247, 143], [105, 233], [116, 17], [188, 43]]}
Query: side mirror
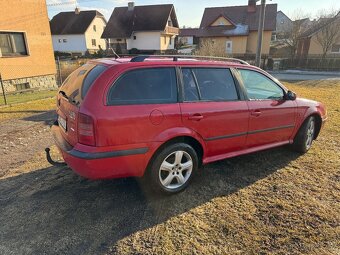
{"points": [[291, 95]]}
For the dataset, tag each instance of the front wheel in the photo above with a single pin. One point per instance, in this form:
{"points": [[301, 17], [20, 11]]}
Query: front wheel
{"points": [[305, 136], [173, 168]]}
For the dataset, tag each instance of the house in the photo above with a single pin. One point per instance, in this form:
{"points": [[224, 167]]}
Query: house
{"points": [[284, 25], [26, 54], [78, 32], [323, 38], [149, 28], [188, 36], [235, 27]]}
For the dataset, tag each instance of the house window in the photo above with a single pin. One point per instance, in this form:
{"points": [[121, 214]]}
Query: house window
{"points": [[22, 86], [59, 40], [169, 23], [119, 40], [134, 37], [12, 44], [94, 43], [221, 23], [94, 28], [336, 48], [65, 40], [164, 39], [170, 40]]}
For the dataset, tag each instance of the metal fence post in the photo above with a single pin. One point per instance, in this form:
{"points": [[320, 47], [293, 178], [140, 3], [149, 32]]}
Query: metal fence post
{"points": [[3, 90], [59, 72]]}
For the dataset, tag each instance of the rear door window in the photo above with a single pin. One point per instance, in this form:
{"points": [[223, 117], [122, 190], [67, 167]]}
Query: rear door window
{"points": [[144, 86], [79, 82], [209, 84]]}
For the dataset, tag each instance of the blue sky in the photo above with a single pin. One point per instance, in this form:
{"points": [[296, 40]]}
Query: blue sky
{"points": [[189, 12]]}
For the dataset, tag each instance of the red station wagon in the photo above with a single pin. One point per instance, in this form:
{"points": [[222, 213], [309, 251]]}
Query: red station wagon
{"points": [[162, 117]]}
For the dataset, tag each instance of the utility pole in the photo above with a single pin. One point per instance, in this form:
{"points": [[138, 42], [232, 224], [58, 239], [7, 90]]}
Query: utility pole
{"points": [[260, 33]]}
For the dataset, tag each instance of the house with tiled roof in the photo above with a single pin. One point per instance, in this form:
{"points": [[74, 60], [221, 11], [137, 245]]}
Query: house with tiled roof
{"points": [[235, 27], [149, 28], [78, 32], [322, 38]]}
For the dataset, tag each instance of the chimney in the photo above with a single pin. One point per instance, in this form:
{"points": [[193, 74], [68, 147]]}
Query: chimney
{"points": [[251, 6], [131, 6], [77, 11]]}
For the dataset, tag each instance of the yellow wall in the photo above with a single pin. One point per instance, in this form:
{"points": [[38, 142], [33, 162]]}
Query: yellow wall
{"points": [[29, 16], [316, 48], [239, 43], [252, 42], [219, 20], [91, 34]]}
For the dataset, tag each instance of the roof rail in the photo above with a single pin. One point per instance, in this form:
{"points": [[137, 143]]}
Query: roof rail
{"points": [[141, 58]]}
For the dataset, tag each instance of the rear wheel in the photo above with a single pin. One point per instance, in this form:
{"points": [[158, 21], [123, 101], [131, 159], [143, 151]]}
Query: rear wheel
{"points": [[173, 168], [305, 136]]}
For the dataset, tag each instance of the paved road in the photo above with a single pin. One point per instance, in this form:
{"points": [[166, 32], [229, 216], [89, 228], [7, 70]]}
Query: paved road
{"points": [[304, 75]]}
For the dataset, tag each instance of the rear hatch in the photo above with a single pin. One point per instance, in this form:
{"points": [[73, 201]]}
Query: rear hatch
{"points": [[70, 96]]}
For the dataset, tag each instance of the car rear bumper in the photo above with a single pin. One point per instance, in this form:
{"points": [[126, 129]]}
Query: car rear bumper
{"points": [[102, 164]]}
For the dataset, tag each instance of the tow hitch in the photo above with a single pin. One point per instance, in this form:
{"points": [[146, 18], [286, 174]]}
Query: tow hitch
{"points": [[51, 161]]}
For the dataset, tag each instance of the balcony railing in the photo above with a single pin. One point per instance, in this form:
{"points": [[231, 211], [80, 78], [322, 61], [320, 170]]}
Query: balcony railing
{"points": [[171, 30]]}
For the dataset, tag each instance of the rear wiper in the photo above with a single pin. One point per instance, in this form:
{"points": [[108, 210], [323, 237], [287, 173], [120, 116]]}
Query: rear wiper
{"points": [[72, 96], [63, 94]]}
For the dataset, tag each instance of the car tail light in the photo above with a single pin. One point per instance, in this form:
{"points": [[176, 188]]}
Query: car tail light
{"points": [[86, 130]]}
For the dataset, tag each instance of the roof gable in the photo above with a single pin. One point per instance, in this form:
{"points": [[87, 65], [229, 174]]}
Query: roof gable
{"points": [[240, 15], [222, 21], [71, 23], [123, 22]]}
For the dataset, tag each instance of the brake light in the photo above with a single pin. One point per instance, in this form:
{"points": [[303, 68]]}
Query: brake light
{"points": [[86, 130]]}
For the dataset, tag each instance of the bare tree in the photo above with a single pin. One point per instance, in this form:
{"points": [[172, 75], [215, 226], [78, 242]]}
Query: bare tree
{"points": [[327, 31], [208, 47]]}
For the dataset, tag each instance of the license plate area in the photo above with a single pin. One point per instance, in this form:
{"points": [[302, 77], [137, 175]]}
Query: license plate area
{"points": [[62, 123]]}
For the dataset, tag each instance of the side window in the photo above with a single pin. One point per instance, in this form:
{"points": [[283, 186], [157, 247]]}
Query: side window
{"points": [[259, 86], [144, 86], [212, 84], [189, 85]]}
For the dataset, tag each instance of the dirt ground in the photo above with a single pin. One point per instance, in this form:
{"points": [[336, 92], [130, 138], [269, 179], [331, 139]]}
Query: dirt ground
{"points": [[271, 202]]}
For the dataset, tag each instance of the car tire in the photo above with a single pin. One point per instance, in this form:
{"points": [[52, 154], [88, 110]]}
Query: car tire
{"points": [[173, 168], [305, 136]]}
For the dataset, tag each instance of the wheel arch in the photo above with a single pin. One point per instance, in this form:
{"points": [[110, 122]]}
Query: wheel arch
{"points": [[192, 141]]}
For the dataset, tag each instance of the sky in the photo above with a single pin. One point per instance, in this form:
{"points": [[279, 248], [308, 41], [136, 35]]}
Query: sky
{"points": [[190, 12]]}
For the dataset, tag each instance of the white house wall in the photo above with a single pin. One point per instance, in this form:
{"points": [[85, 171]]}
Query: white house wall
{"points": [[91, 34], [144, 41], [74, 43]]}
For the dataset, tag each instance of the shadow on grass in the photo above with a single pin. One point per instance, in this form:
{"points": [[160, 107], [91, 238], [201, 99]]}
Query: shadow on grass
{"points": [[52, 210], [48, 117]]}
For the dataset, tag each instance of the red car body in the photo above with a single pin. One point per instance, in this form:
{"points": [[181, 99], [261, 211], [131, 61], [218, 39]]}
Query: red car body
{"points": [[110, 141]]}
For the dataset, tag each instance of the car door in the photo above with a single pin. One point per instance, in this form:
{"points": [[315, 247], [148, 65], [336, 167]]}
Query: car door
{"points": [[272, 117], [212, 107]]}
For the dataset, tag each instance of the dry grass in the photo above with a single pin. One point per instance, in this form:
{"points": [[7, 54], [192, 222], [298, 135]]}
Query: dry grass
{"points": [[293, 210], [27, 109], [27, 96], [266, 203]]}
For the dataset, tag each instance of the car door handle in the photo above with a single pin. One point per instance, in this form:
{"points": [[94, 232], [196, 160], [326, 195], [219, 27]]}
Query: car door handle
{"points": [[256, 113], [196, 116]]}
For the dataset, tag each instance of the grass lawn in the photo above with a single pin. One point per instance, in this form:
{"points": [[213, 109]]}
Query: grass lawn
{"points": [[272, 202], [27, 96], [27, 109]]}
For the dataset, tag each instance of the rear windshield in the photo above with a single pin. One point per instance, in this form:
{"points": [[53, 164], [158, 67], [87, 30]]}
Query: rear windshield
{"points": [[79, 82]]}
